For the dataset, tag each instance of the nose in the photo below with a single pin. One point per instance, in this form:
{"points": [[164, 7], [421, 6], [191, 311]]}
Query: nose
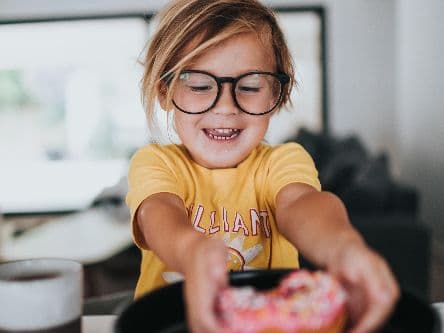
{"points": [[226, 104]]}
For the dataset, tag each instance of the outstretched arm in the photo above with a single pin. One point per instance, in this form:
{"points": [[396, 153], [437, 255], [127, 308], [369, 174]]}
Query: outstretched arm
{"points": [[318, 225], [163, 221]]}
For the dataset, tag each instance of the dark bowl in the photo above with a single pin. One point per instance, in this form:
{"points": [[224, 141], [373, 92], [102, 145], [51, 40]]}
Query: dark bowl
{"points": [[162, 310]]}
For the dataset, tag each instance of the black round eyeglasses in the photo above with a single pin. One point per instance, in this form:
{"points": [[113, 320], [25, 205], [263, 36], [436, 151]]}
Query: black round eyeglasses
{"points": [[255, 93]]}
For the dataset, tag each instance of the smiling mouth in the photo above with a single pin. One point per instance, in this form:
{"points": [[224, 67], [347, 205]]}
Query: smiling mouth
{"points": [[222, 134]]}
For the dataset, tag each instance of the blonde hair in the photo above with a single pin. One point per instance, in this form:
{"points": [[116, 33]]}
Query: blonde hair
{"points": [[196, 26]]}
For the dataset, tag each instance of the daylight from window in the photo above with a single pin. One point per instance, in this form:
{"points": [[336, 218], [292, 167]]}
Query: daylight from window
{"points": [[70, 110], [69, 90]]}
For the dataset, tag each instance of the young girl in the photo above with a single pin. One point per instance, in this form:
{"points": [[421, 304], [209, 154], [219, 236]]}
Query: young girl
{"points": [[223, 200]]}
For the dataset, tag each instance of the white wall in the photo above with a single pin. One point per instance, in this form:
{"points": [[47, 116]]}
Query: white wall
{"points": [[420, 96], [361, 54]]}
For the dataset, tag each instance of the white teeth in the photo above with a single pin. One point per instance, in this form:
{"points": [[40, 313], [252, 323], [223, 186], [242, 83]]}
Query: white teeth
{"points": [[222, 134], [224, 130], [216, 137]]}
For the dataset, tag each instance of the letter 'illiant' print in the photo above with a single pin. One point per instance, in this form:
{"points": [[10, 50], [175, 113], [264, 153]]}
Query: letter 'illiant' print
{"points": [[254, 224]]}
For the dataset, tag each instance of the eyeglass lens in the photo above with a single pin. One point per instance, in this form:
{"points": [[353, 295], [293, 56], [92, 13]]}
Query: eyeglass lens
{"points": [[255, 93]]}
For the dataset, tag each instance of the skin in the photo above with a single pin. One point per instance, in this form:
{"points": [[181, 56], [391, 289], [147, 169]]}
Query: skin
{"points": [[304, 215]]}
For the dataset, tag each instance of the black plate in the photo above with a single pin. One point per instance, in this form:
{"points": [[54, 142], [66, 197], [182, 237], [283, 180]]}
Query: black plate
{"points": [[162, 311]]}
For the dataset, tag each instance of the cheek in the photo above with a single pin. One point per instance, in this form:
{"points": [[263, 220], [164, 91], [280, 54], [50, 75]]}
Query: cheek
{"points": [[185, 125], [262, 124], [179, 125]]}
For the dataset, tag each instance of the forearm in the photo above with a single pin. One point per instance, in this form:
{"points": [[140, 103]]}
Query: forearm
{"points": [[163, 222], [317, 223]]}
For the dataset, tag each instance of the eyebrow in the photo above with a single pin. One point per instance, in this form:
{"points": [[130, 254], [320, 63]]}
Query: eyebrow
{"points": [[250, 69]]}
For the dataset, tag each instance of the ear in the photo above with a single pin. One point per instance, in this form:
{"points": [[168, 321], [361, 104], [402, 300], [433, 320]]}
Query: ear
{"points": [[162, 95], [162, 101]]}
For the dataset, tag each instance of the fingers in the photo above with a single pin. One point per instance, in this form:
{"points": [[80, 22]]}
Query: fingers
{"points": [[372, 296], [203, 282], [380, 299], [376, 311]]}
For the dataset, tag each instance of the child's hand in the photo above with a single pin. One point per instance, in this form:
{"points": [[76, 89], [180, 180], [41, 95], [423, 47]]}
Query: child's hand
{"points": [[371, 287], [205, 276]]}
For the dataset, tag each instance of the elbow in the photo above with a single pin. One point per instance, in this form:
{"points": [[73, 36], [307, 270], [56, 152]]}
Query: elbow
{"points": [[142, 212], [331, 198]]}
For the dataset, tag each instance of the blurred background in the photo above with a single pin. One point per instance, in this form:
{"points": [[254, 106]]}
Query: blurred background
{"points": [[368, 108]]}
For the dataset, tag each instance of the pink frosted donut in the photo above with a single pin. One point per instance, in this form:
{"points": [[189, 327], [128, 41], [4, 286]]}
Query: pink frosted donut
{"points": [[304, 302]]}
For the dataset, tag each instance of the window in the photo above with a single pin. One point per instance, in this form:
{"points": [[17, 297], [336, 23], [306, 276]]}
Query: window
{"points": [[70, 111], [303, 30], [69, 90]]}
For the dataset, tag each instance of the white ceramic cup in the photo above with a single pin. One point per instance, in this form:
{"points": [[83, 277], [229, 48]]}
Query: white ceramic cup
{"points": [[44, 295]]}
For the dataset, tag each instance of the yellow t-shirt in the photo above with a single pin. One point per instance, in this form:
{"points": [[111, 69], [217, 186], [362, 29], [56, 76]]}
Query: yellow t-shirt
{"points": [[235, 204]]}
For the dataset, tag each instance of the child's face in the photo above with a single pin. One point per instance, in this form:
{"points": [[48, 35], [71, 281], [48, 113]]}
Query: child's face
{"points": [[224, 136]]}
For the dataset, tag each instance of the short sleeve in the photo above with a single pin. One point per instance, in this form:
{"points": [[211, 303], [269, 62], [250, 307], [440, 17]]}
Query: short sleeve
{"points": [[290, 163], [150, 171]]}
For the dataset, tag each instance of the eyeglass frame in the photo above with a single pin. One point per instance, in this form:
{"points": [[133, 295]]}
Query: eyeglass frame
{"points": [[281, 77]]}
